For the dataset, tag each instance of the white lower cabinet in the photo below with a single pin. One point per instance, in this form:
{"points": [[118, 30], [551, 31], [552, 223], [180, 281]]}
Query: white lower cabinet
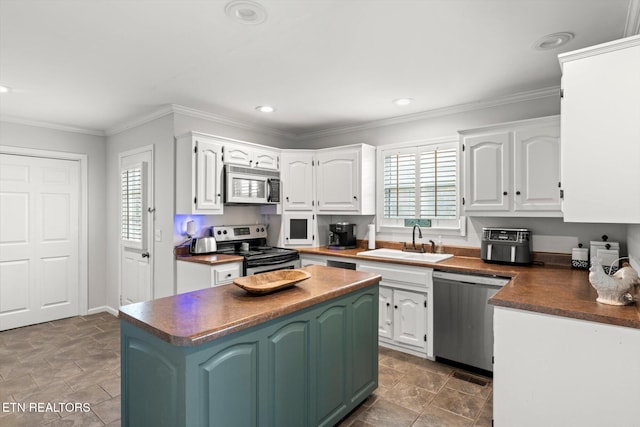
{"points": [[192, 276], [405, 320]]}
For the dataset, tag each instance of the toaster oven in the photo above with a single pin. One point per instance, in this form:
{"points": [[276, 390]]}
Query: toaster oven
{"points": [[506, 246]]}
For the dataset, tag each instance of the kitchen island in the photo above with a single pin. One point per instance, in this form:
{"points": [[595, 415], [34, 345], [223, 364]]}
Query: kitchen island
{"points": [[305, 355]]}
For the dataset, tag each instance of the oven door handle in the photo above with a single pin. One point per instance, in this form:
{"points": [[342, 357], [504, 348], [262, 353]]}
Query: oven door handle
{"points": [[268, 189], [274, 262]]}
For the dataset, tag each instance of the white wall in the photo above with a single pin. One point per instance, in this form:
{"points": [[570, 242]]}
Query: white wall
{"points": [[158, 133], [19, 135]]}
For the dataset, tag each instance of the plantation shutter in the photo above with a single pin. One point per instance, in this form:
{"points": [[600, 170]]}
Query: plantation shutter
{"points": [[132, 209], [420, 182]]}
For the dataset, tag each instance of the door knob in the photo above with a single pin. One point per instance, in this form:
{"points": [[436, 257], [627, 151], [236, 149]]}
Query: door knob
{"points": [[144, 254]]}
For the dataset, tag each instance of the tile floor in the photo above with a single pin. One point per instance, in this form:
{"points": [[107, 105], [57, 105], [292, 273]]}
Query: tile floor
{"points": [[77, 360]]}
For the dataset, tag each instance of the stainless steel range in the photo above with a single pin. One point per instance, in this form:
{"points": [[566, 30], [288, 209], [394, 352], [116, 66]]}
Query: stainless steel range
{"points": [[250, 241]]}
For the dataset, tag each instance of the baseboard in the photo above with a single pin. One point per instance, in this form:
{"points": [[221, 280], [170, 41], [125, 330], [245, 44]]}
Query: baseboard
{"points": [[103, 309]]}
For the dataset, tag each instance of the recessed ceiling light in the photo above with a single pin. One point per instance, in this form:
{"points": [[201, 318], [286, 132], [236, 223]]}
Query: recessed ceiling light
{"points": [[265, 108], [553, 41], [401, 102], [246, 12], [5, 89]]}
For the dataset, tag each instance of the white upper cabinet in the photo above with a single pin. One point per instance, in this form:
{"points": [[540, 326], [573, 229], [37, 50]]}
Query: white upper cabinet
{"points": [[513, 169], [487, 169], [345, 180], [298, 189], [198, 175], [601, 133], [338, 183], [251, 156]]}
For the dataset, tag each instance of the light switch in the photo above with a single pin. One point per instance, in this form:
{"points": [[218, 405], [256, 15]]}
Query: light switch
{"points": [[158, 235]]}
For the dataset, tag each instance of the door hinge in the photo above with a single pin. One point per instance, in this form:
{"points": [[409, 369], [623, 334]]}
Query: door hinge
{"points": [[561, 93], [425, 337], [195, 200], [559, 184], [313, 237], [463, 201], [462, 147], [493, 360], [425, 303], [195, 149], [312, 163], [562, 194]]}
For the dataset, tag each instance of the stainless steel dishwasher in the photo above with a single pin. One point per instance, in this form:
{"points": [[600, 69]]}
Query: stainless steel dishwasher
{"points": [[463, 321]]}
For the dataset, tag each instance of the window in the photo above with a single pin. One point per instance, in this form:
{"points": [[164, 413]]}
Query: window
{"points": [[132, 209], [420, 182]]}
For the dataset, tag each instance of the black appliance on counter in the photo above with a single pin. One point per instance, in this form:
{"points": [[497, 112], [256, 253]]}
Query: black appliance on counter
{"points": [[342, 235], [506, 246], [250, 242]]}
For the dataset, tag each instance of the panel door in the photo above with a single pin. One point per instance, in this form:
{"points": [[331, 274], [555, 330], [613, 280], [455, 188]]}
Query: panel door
{"points": [[288, 375], [337, 183], [297, 182], [39, 232], [266, 159], [209, 176], [410, 318], [487, 161], [229, 389], [385, 313], [364, 347], [238, 154], [537, 169], [331, 363], [298, 228]]}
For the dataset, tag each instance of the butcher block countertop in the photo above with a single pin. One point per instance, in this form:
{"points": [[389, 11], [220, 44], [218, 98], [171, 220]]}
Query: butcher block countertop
{"points": [[197, 317], [555, 290]]}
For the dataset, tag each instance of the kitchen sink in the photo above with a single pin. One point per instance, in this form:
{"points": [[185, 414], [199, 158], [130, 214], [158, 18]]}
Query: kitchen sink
{"points": [[408, 256]]}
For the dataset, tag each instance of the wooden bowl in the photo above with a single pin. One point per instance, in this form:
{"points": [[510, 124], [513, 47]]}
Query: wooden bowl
{"points": [[264, 283]]}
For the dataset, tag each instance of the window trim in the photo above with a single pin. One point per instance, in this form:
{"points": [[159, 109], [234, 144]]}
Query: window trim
{"points": [[459, 229]]}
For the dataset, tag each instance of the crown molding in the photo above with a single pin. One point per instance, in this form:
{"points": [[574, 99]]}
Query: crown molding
{"points": [[598, 49], [632, 26], [553, 91], [140, 120], [217, 118], [48, 125]]}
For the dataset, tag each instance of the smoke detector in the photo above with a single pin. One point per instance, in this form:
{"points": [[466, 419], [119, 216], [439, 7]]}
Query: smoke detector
{"points": [[246, 12]]}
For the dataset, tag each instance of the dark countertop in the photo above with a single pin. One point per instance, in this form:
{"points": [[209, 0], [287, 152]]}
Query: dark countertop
{"points": [[555, 290], [197, 317], [211, 259]]}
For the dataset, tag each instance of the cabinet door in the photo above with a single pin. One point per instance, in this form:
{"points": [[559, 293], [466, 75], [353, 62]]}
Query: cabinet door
{"points": [[238, 154], [299, 229], [385, 313], [487, 161], [297, 182], [410, 318], [229, 388], [363, 355], [227, 272], [266, 159], [537, 169], [337, 183], [331, 363], [600, 134], [208, 176], [288, 374]]}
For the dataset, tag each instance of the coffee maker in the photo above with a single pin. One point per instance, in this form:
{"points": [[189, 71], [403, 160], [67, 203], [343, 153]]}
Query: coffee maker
{"points": [[342, 235]]}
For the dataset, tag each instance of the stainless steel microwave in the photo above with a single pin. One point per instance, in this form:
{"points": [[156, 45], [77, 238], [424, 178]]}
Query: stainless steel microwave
{"points": [[251, 186]]}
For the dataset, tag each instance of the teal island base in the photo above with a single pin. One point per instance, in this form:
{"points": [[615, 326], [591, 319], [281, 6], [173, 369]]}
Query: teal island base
{"points": [[308, 368]]}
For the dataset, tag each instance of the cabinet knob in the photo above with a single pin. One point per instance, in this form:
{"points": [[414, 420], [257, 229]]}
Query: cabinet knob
{"points": [[355, 198], [388, 304], [257, 163], [228, 274], [517, 193], [287, 198], [395, 306], [504, 193]]}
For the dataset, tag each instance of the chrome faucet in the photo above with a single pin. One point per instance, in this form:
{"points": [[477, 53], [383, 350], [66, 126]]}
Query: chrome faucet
{"points": [[413, 241]]}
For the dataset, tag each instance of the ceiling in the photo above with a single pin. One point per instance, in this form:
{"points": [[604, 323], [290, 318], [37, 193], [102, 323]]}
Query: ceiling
{"points": [[323, 64]]}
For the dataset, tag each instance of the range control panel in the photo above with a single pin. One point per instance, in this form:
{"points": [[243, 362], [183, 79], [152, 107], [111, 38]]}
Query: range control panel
{"points": [[224, 233]]}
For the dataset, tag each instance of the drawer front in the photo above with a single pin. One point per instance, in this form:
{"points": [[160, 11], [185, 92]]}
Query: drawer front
{"points": [[226, 273], [419, 276]]}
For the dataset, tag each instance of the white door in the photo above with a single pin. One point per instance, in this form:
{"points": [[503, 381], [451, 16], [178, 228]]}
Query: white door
{"points": [[487, 172], [410, 318], [385, 315], [297, 181], [537, 178], [39, 239], [337, 183], [136, 226]]}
